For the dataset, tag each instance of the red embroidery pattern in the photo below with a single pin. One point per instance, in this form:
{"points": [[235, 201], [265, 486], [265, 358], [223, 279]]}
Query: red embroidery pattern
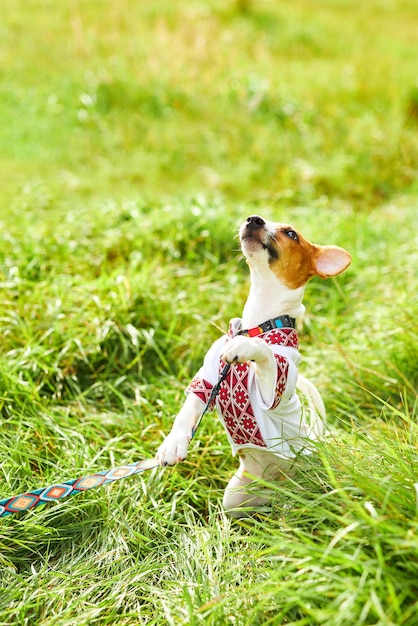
{"points": [[202, 389], [233, 397], [234, 402], [282, 337], [282, 372]]}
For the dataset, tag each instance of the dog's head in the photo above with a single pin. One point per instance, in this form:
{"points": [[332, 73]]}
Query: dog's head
{"points": [[287, 253]]}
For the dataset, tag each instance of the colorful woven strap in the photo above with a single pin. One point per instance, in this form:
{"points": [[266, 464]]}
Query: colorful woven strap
{"points": [[32, 499]]}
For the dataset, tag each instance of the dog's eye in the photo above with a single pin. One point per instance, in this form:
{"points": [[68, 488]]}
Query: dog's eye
{"points": [[291, 234]]}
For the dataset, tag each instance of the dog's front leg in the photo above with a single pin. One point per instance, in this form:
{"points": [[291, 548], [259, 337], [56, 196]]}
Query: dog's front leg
{"points": [[256, 352], [174, 447]]}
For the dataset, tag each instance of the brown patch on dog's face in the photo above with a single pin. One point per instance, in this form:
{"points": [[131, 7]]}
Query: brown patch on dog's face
{"points": [[294, 261], [292, 258]]}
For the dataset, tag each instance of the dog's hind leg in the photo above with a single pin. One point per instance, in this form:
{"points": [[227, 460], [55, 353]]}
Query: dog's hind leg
{"points": [[242, 496]]}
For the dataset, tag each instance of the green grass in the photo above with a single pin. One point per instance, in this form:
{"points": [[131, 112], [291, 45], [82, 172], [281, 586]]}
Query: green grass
{"points": [[134, 138]]}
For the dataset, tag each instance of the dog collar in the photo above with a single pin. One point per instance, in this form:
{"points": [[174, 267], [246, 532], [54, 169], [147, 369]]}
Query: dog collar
{"points": [[283, 321]]}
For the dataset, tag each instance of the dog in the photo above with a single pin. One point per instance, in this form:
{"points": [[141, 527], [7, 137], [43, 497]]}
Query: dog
{"points": [[258, 403]]}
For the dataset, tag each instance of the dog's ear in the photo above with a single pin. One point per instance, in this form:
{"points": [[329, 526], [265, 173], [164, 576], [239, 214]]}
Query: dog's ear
{"points": [[330, 260]]}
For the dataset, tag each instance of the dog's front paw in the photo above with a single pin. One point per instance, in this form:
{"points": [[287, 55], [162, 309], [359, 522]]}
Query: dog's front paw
{"points": [[243, 349], [173, 449]]}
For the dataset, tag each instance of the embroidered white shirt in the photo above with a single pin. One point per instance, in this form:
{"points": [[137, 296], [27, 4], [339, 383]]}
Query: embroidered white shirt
{"points": [[248, 422]]}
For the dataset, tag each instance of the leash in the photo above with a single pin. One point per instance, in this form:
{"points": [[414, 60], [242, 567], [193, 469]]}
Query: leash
{"points": [[31, 499]]}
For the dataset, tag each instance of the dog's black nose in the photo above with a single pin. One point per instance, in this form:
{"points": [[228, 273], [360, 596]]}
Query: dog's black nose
{"points": [[254, 222]]}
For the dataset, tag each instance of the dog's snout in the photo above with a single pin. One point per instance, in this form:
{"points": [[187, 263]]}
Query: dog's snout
{"points": [[254, 221]]}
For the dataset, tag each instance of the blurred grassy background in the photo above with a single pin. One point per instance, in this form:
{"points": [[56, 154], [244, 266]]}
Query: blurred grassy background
{"points": [[259, 101]]}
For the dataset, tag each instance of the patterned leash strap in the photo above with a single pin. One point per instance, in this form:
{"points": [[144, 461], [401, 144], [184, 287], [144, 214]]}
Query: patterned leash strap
{"points": [[58, 491], [213, 394]]}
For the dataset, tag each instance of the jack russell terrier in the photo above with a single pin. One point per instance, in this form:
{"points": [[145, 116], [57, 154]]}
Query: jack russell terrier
{"points": [[257, 402]]}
